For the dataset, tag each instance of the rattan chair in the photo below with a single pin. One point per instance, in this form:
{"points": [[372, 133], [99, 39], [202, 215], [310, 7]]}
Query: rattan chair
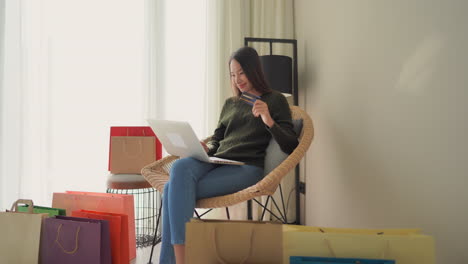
{"points": [[157, 173]]}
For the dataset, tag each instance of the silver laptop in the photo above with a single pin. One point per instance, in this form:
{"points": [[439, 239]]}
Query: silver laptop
{"points": [[179, 139]]}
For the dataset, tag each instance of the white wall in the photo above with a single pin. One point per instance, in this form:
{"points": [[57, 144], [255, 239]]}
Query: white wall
{"points": [[386, 84]]}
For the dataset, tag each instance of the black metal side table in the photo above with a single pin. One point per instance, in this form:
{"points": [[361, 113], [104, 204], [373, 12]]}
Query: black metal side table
{"points": [[148, 203]]}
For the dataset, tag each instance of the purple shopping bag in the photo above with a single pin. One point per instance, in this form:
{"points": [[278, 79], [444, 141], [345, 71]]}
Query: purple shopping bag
{"points": [[75, 240]]}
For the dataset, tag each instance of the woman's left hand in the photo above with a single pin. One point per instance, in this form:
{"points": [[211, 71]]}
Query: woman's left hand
{"points": [[205, 147], [260, 108]]}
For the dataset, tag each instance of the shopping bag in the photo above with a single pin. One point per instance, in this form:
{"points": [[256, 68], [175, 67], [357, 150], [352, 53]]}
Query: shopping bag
{"points": [[43, 210], [132, 148], [20, 235], [319, 260], [405, 246], [101, 202], [75, 240], [131, 154], [216, 241], [118, 224], [369, 231]]}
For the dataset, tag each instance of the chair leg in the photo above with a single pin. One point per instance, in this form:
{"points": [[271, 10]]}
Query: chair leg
{"points": [[227, 213], [206, 212], [284, 207], [279, 210], [249, 210], [268, 210], [298, 196], [196, 213], [264, 207], [155, 240], [283, 213]]}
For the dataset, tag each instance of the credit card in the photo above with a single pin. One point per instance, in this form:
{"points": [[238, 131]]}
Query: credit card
{"points": [[249, 98]]}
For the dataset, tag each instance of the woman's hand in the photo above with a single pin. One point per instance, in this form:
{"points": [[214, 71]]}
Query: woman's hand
{"points": [[260, 108], [204, 146]]}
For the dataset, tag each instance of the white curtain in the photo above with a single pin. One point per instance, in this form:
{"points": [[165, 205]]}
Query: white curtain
{"points": [[55, 123], [154, 58], [176, 52], [10, 104], [229, 22], [176, 55], [3, 182], [274, 19], [70, 74]]}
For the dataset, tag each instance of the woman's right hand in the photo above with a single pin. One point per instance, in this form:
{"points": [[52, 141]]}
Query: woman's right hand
{"points": [[204, 146]]}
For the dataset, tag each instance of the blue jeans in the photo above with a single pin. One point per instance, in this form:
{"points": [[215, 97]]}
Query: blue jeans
{"points": [[190, 180]]}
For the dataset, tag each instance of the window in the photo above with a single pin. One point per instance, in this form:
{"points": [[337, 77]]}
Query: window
{"points": [[78, 70], [75, 68]]}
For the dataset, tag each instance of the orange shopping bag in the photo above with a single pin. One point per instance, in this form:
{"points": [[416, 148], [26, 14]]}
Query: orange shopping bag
{"points": [[100, 202], [118, 232]]}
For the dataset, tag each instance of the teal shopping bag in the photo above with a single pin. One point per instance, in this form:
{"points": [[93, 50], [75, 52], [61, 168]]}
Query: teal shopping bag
{"points": [[321, 260], [43, 210]]}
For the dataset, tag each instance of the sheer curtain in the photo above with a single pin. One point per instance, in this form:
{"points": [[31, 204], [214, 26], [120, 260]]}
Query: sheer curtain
{"points": [[70, 74], [10, 105], [193, 56], [176, 55], [228, 23], [275, 19], [3, 182], [190, 59], [72, 70]]}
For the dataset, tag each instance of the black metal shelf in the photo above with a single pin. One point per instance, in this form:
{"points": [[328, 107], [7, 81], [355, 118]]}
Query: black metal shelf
{"points": [[299, 186], [293, 42]]}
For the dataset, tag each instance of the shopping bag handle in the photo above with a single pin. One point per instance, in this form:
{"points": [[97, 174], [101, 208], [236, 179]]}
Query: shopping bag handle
{"points": [[137, 153], [70, 252], [220, 259], [14, 207]]}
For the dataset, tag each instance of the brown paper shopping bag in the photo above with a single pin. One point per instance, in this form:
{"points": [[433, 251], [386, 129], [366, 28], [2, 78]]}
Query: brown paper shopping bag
{"points": [[134, 131], [20, 235], [131, 154], [233, 242], [405, 246]]}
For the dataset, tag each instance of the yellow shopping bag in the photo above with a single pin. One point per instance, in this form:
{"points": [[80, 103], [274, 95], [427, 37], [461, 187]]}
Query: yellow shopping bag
{"points": [[391, 231], [405, 246]]}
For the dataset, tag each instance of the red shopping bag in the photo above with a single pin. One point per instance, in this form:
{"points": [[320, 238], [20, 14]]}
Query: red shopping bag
{"points": [[118, 232], [101, 202], [137, 131]]}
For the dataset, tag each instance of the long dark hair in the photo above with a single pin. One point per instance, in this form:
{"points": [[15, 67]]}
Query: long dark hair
{"points": [[248, 58]]}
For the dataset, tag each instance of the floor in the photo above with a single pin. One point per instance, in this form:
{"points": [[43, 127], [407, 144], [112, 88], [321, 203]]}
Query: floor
{"points": [[143, 255]]}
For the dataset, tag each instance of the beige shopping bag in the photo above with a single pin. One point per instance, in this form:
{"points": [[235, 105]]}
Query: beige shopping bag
{"points": [[20, 235], [405, 246], [233, 242], [131, 154]]}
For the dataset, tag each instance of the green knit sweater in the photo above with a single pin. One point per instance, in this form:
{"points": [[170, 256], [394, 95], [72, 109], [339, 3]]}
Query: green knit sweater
{"points": [[242, 136]]}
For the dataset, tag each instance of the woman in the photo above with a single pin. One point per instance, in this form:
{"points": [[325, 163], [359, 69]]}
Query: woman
{"points": [[243, 133]]}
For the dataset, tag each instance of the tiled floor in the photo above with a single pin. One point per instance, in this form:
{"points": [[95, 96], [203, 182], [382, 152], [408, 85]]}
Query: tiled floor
{"points": [[143, 255]]}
